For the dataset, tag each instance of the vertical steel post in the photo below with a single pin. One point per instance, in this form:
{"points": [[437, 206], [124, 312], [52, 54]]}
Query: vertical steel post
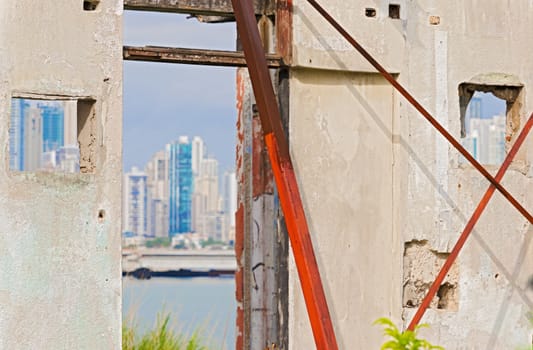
{"points": [[285, 178]]}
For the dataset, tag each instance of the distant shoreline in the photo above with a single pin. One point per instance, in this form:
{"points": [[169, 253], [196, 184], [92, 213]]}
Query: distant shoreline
{"points": [[146, 274]]}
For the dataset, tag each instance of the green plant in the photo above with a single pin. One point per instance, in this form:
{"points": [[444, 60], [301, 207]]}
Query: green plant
{"points": [[529, 316], [210, 242], [407, 340], [158, 242], [160, 338]]}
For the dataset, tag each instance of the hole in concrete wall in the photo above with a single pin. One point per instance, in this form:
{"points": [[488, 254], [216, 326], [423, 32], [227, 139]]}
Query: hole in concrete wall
{"points": [[421, 266], [370, 12], [101, 215], [394, 11], [87, 135], [90, 5], [490, 118], [42, 135], [446, 295]]}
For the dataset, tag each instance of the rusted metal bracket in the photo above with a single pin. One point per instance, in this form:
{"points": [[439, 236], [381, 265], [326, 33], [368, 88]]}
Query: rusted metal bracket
{"points": [[193, 56], [219, 8], [285, 177], [470, 226], [421, 109]]}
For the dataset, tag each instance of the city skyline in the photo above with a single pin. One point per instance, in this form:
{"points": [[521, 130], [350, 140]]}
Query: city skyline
{"points": [[161, 101], [43, 135], [179, 191], [485, 131]]}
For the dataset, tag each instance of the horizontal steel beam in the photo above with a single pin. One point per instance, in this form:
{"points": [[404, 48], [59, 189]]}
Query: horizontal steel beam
{"points": [[197, 7], [193, 56]]}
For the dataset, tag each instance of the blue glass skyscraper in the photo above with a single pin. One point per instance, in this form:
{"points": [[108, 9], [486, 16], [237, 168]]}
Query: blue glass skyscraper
{"points": [[180, 179], [52, 124], [35, 127], [16, 134]]}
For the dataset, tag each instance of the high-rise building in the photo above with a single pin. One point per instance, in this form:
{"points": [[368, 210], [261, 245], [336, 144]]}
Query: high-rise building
{"points": [[474, 111], [134, 202], [16, 134], [208, 183], [52, 119], [157, 183], [214, 225], [180, 179], [486, 139], [198, 154], [33, 138], [199, 150], [206, 196], [230, 204], [42, 134]]}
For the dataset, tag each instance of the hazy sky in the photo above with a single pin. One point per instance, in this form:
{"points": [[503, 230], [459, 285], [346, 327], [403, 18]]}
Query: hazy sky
{"points": [[163, 101], [490, 104]]}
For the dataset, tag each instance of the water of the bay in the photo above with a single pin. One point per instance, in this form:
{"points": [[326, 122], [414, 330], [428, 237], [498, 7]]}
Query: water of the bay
{"points": [[205, 304]]}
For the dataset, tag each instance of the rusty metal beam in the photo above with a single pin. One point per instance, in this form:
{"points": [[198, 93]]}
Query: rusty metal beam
{"points": [[285, 177], [470, 226], [421, 109], [221, 8], [193, 56]]}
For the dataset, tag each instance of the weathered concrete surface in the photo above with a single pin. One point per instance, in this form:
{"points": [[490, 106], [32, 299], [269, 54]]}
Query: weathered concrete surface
{"points": [[59, 233], [341, 145], [318, 45], [374, 175]]}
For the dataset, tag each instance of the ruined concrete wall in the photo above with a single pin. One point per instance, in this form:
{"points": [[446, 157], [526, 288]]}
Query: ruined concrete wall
{"points": [[491, 297], [386, 196], [341, 145], [60, 233]]}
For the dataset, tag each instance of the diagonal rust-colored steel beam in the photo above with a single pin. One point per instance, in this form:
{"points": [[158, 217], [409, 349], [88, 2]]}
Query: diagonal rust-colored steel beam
{"points": [[470, 226], [422, 110], [291, 203]]}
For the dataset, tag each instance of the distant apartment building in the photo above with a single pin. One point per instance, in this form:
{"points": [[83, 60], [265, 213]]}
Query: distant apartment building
{"points": [[475, 109], [484, 135], [180, 179], [199, 150], [134, 202], [209, 219], [485, 139], [43, 136], [230, 204], [157, 188], [53, 125], [33, 136], [16, 134], [183, 196]]}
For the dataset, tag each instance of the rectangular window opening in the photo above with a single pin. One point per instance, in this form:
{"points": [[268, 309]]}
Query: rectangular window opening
{"points": [[86, 128], [90, 5], [490, 118], [179, 184], [46, 135], [394, 11], [370, 12]]}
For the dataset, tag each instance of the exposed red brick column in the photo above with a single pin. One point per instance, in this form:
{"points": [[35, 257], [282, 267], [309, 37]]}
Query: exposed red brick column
{"points": [[239, 215]]}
